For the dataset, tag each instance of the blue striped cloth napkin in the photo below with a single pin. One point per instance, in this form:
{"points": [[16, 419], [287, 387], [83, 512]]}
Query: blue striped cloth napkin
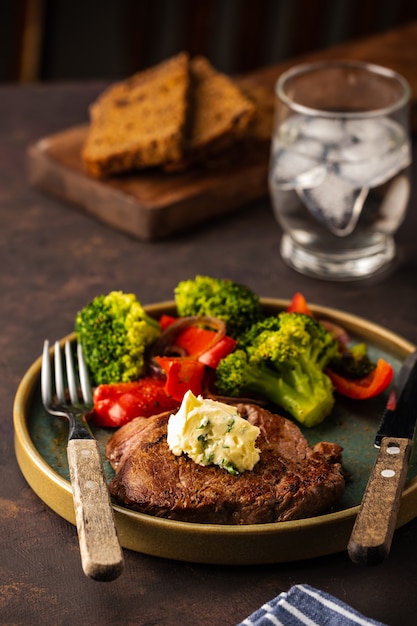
{"points": [[303, 605]]}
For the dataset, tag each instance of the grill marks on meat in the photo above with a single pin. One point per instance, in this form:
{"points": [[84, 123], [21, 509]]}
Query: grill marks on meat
{"points": [[291, 481]]}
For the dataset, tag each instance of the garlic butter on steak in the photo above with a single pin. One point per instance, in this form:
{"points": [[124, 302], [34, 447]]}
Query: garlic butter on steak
{"points": [[212, 432], [291, 480]]}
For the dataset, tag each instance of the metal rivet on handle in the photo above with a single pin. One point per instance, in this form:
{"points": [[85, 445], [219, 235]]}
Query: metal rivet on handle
{"points": [[387, 473]]}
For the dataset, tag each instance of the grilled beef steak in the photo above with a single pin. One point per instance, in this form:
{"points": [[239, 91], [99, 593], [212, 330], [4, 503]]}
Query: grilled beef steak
{"points": [[291, 480]]}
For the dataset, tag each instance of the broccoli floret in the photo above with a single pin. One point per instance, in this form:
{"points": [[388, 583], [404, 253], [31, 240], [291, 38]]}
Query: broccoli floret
{"points": [[352, 363], [115, 331], [282, 359], [238, 306]]}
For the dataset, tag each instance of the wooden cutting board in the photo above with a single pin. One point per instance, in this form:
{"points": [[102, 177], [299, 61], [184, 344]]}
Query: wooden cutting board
{"points": [[148, 205], [152, 205]]}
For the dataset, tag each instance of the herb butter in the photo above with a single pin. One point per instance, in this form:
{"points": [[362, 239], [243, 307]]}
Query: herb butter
{"points": [[212, 432]]}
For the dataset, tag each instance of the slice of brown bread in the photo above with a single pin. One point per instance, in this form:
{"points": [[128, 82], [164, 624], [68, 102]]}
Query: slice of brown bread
{"points": [[260, 127], [255, 145], [139, 122], [258, 136], [219, 114]]}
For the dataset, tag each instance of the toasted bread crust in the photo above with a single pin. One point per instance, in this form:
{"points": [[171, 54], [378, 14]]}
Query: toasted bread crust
{"points": [[172, 115], [139, 122], [220, 114]]}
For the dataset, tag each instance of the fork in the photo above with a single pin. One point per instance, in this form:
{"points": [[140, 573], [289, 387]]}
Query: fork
{"points": [[101, 554]]}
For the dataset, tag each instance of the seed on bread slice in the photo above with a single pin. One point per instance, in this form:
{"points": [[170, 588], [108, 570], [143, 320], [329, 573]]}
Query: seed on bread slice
{"points": [[139, 122]]}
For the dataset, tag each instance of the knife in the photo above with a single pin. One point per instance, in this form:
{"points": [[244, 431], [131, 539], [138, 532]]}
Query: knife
{"points": [[371, 537]]}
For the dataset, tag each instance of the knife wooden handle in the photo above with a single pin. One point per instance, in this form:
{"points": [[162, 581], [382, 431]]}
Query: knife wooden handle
{"points": [[371, 537], [101, 554]]}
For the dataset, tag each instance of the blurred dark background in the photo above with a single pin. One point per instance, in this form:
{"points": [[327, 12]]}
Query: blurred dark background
{"points": [[50, 40]]}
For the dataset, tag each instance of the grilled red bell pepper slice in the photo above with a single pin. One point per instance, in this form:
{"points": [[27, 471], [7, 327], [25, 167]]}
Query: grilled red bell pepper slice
{"points": [[195, 340], [299, 304], [166, 320], [182, 374], [198, 342], [118, 403], [219, 351], [368, 386]]}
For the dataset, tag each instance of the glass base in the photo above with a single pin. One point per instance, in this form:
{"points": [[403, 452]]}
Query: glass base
{"points": [[349, 265]]}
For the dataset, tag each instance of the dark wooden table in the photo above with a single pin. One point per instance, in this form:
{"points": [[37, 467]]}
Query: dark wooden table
{"points": [[54, 258]]}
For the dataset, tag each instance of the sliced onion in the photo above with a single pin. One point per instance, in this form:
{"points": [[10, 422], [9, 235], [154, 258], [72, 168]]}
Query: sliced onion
{"points": [[338, 332]]}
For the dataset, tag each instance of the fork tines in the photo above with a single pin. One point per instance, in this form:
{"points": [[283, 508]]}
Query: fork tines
{"points": [[71, 377]]}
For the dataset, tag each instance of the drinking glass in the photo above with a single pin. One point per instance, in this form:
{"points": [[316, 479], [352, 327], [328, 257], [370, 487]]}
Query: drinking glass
{"points": [[339, 174]]}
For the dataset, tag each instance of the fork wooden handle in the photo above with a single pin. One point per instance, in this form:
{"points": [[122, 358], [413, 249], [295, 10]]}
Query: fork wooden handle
{"points": [[101, 554]]}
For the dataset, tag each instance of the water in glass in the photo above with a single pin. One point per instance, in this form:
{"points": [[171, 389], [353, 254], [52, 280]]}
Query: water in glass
{"points": [[339, 185]]}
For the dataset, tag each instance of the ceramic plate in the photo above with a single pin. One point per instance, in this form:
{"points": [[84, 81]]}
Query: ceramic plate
{"points": [[40, 444]]}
